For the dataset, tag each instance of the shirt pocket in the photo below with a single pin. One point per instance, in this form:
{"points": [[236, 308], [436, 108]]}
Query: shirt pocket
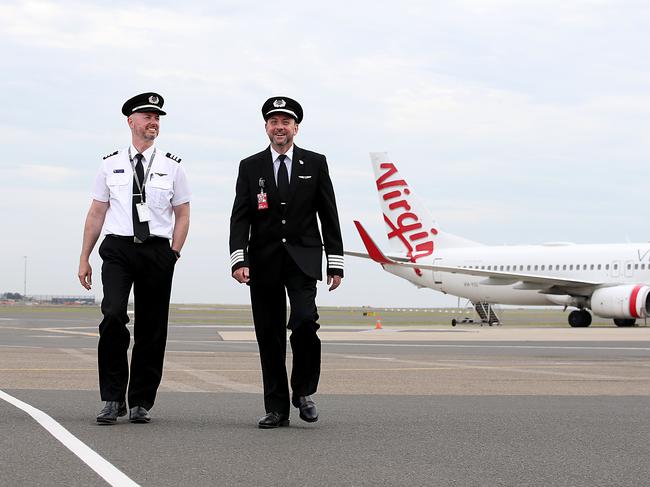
{"points": [[119, 185], [159, 192]]}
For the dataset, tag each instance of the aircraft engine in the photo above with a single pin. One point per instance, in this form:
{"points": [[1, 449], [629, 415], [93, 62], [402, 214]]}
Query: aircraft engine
{"points": [[624, 301]]}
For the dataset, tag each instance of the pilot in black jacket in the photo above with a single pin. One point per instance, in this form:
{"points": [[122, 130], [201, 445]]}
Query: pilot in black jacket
{"points": [[275, 244]]}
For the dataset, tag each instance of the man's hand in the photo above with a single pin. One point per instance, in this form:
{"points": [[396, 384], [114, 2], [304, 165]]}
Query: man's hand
{"points": [[85, 274], [335, 282], [241, 275]]}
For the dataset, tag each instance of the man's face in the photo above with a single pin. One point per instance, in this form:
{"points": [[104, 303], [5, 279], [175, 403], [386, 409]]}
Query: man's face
{"points": [[281, 129], [145, 125]]}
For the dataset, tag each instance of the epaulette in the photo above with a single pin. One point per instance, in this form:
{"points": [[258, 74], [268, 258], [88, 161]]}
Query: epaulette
{"points": [[173, 157], [110, 155]]}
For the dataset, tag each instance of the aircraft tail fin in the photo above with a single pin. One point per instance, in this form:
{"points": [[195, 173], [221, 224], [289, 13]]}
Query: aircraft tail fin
{"points": [[411, 229]]}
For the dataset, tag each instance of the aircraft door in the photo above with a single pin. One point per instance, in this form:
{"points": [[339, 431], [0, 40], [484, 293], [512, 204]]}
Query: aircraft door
{"points": [[437, 279]]}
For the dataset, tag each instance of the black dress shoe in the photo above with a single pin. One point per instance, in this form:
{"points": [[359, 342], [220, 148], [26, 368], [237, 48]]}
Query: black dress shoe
{"points": [[273, 420], [111, 411], [307, 407], [138, 414]]}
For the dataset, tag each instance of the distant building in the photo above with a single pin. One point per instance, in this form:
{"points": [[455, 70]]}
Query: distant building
{"points": [[51, 299]]}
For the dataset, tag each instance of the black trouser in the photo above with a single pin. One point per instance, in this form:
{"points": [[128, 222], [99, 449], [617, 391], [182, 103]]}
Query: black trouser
{"points": [[148, 267], [270, 316]]}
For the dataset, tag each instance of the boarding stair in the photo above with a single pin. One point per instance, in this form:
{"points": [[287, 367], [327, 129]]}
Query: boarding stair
{"points": [[486, 313]]}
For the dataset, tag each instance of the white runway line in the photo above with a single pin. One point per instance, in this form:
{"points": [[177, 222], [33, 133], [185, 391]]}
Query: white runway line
{"points": [[452, 345], [91, 458], [455, 345]]}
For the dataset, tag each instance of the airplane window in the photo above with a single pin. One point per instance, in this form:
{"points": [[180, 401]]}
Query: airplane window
{"points": [[629, 266], [521, 267], [542, 268], [636, 266], [482, 267], [557, 267], [564, 267], [591, 267], [536, 267], [489, 268], [500, 268], [584, 267], [528, 267], [507, 268], [615, 267], [571, 267], [643, 267], [606, 267], [599, 266]]}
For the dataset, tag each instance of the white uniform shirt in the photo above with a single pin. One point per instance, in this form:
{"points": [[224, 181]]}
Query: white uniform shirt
{"points": [[166, 186], [276, 162]]}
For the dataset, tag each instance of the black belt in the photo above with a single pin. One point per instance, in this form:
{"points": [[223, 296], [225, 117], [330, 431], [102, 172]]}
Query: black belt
{"points": [[131, 238]]}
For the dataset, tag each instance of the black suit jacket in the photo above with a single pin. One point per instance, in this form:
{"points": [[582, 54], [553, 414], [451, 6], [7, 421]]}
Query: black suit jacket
{"points": [[258, 237]]}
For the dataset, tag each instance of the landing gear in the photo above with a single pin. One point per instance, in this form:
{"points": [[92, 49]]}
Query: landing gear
{"points": [[624, 322], [580, 318]]}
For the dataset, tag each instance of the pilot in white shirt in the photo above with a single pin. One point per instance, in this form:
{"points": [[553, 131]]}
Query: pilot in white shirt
{"points": [[141, 199]]}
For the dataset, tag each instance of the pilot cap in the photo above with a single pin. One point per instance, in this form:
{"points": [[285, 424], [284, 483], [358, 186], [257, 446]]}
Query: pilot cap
{"points": [[282, 104], [145, 102]]}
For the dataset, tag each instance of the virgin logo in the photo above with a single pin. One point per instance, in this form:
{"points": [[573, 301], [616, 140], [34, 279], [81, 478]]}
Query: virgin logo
{"points": [[403, 223]]}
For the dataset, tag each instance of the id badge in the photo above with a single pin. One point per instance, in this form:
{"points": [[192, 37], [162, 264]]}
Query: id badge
{"points": [[262, 203], [143, 212]]}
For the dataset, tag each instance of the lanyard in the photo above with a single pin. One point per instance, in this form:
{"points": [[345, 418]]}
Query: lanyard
{"points": [[146, 175]]}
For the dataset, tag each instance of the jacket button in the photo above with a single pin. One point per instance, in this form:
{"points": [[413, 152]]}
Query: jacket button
{"points": [[284, 240]]}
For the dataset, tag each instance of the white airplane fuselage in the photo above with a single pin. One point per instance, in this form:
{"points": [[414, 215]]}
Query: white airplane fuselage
{"points": [[608, 263]]}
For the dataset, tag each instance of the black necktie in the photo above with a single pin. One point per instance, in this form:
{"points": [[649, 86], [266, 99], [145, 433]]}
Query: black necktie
{"points": [[140, 229], [283, 179]]}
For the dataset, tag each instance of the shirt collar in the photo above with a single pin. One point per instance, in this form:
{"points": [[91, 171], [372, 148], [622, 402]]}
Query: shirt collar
{"points": [[275, 155], [147, 154]]}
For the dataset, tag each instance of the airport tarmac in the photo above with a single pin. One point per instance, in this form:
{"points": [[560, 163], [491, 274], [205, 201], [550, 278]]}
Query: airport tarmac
{"points": [[414, 403]]}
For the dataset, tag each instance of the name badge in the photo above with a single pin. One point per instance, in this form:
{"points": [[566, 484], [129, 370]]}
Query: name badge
{"points": [[262, 202], [143, 212]]}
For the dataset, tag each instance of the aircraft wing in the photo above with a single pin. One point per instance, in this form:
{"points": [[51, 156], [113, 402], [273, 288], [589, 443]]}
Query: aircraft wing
{"points": [[548, 284]]}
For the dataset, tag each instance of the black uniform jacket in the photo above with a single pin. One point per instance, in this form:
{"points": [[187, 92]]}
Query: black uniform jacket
{"points": [[258, 237]]}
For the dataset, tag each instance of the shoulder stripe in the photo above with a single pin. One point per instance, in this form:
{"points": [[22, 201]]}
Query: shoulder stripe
{"points": [[173, 157], [110, 155]]}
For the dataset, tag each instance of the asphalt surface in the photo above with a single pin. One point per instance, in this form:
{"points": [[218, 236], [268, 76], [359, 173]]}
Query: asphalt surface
{"points": [[402, 406]]}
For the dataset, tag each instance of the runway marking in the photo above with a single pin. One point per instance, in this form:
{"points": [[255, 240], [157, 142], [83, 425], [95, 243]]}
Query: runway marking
{"points": [[46, 336], [368, 357], [67, 331], [46, 370], [70, 332], [90, 457], [436, 345]]}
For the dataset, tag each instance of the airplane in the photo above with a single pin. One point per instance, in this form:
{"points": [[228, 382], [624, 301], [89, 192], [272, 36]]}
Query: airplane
{"points": [[611, 280]]}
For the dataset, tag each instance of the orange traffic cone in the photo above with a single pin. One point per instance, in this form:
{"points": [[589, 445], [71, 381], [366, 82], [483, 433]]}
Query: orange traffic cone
{"points": [[378, 324]]}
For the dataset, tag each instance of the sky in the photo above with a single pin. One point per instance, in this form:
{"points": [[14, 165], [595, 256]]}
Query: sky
{"points": [[515, 122]]}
